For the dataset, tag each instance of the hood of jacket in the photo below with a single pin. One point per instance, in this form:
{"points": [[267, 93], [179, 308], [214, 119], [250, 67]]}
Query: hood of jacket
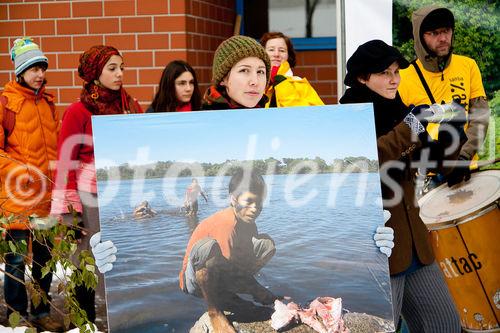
{"points": [[16, 94], [431, 62]]}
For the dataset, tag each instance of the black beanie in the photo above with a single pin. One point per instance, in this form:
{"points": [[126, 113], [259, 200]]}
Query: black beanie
{"points": [[438, 18], [372, 57]]}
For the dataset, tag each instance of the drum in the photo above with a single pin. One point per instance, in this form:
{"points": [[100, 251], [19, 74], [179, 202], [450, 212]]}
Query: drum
{"points": [[464, 223]]}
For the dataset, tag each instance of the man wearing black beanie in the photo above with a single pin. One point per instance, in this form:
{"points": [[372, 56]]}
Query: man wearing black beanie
{"points": [[440, 76]]}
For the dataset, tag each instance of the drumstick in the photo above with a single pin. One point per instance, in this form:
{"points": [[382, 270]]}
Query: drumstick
{"points": [[485, 163]]}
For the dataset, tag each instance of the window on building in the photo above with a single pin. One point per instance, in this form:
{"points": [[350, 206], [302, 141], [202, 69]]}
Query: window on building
{"points": [[310, 23]]}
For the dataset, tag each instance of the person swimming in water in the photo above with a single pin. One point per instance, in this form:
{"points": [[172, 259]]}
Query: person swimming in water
{"points": [[144, 210]]}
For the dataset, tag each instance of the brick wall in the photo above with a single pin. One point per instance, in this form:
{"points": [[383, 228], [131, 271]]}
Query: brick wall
{"points": [[320, 69], [149, 33]]}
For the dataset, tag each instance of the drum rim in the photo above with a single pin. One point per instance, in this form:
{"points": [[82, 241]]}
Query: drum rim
{"points": [[430, 221], [472, 330], [464, 219]]}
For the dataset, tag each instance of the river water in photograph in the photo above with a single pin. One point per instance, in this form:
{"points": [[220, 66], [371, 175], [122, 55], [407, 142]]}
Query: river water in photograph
{"points": [[322, 226]]}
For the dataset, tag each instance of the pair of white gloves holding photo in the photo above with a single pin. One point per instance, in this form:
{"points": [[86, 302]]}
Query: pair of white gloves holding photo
{"points": [[104, 252]]}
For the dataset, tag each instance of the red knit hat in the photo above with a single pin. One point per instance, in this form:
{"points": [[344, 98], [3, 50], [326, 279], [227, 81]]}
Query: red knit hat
{"points": [[93, 60]]}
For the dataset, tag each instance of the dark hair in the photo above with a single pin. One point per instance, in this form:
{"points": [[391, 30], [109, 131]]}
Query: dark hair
{"points": [[246, 179], [165, 99], [273, 35]]}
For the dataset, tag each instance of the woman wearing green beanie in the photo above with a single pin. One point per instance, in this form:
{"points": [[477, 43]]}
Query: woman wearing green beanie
{"points": [[240, 73]]}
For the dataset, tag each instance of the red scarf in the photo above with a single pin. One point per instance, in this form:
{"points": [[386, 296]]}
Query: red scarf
{"points": [[186, 107], [99, 100]]}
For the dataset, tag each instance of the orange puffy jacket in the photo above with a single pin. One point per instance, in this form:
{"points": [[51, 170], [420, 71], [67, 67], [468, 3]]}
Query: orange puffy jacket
{"points": [[26, 154]]}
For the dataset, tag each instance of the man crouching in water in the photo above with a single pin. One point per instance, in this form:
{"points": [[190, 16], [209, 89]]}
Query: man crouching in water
{"points": [[225, 251]]}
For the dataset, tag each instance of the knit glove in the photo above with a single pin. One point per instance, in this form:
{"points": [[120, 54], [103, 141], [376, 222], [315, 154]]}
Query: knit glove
{"points": [[104, 253], [416, 120], [384, 236], [461, 172]]}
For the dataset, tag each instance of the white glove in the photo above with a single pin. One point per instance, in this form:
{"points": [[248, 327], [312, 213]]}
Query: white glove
{"points": [[104, 253], [384, 236]]}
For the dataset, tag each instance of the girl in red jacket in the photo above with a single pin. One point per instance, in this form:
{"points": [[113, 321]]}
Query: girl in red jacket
{"points": [[101, 67]]}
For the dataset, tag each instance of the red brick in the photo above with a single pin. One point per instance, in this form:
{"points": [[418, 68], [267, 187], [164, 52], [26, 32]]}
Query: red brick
{"points": [[11, 28], [3, 12], [205, 58], [316, 58], [52, 60], [130, 76], [327, 73], [82, 43], [136, 24], [40, 28], [329, 100], [196, 8], [121, 42], [59, 78], [68, 95], [49, 10], [307, 72], [4, 45], [5, 62], [190, 22], [204, 75], [152, 7], [56, 44], [192, 59], [4, 77], [204, 10], [24, 11], [162, 58], [150, 76], [141, 93], [180, 41], [119, 8], [86, 9], [68, 60], [170, 23], [104, 25], [179, 7], [153, 41], [203, 87], [196, 43], [138, 59], [323, 88], [60, 108], [71, 27]]}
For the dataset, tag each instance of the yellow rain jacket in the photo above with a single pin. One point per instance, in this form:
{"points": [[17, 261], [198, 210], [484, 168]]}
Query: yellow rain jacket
{"points": [[291, 90]]}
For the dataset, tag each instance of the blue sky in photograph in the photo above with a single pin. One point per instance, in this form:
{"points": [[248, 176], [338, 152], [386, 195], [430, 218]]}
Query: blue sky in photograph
{"points": [[331, 131]]}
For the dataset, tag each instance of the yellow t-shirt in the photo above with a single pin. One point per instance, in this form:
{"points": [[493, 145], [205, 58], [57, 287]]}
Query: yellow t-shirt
{"points": [[460, 80]]}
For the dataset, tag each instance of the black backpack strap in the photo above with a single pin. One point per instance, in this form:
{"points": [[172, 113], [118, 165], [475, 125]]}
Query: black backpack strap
{"points": [[424, 83]]}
